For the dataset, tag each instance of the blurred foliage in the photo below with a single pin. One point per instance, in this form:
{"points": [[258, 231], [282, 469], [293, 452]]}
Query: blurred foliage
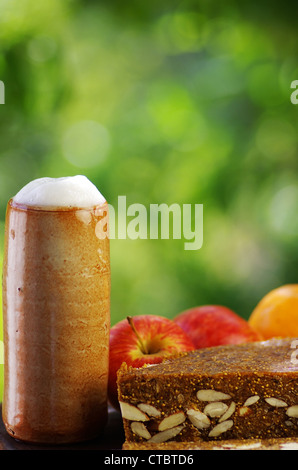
{"points": [[185, 102]]}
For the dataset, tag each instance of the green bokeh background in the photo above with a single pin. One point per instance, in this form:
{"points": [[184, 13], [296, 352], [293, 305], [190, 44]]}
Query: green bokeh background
{"points": [[164, 102]]}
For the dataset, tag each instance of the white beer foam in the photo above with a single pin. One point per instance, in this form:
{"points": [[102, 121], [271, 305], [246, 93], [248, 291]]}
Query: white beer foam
{"points": [[68, 191]]}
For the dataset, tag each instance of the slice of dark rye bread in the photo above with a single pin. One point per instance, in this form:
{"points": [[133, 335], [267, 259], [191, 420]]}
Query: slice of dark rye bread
{"points": [[245, 391]]}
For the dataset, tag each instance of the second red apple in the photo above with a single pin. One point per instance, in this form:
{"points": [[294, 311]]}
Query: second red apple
{"points": [[214, 325]]}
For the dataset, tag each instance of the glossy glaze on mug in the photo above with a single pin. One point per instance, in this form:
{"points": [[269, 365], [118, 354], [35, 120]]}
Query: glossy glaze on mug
{"points": [[56, 319]]}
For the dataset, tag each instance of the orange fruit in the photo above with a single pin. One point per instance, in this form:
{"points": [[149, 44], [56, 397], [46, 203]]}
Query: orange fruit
{"points": [[277, 313]]}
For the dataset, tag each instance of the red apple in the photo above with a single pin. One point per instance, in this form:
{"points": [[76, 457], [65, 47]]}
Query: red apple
{"points": [[212, 325], [143, 339]]}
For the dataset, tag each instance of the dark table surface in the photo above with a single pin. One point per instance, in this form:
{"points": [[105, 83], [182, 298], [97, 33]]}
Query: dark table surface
{"points": [[112, 438]]}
